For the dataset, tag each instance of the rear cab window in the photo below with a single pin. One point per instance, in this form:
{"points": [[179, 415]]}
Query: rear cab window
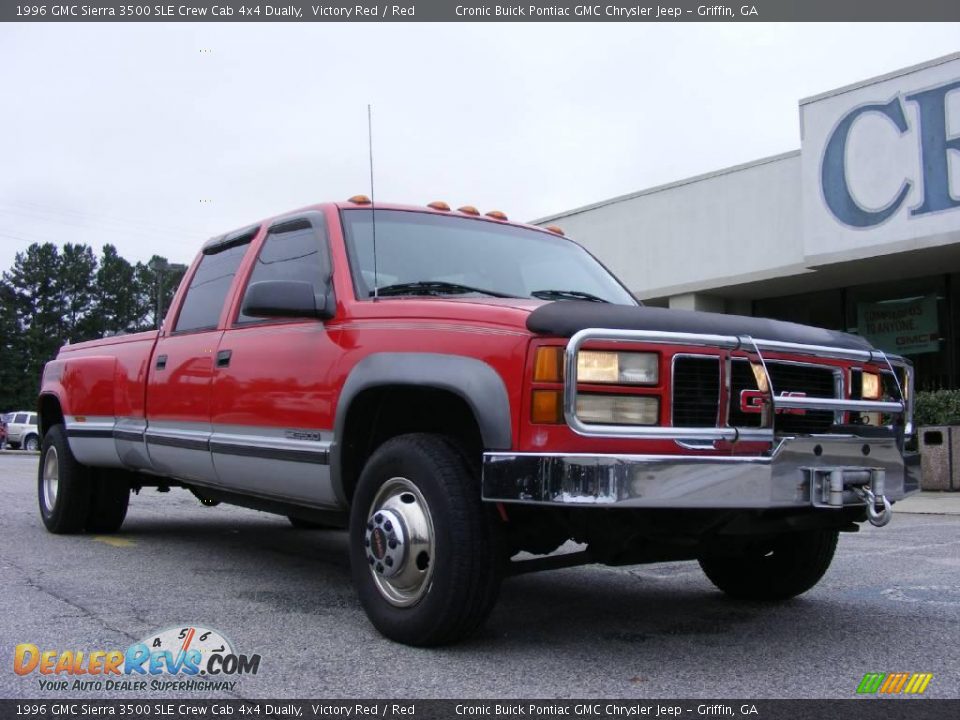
{"points": [[211, 282]]}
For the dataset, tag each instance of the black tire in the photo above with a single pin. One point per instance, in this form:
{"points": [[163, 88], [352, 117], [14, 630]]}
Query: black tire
{"points": [[465, 569], [110, 496], [782, 567], [65, 509], [301, 524], [32, 443]]}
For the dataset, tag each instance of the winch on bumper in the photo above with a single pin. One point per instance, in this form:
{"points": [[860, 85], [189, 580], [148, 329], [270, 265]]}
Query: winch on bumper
{"points": [[828, 471]]}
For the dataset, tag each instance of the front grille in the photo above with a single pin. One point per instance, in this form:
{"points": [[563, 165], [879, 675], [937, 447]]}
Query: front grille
{"points": [[696, 391], [811, 380]]}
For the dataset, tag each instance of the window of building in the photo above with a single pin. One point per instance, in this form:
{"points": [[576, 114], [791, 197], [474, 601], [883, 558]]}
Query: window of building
{"points": [[917, 327], [820, 309]]}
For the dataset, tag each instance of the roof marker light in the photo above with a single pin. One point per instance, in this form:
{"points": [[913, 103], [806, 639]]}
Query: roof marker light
{"points": [[439, 205], [496, 215], [554, 229], [359, 200], [468, 210]]}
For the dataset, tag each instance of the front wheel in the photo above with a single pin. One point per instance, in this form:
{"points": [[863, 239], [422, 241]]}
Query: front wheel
{"points": [[774, 569], [31, 443], [422, 549]]}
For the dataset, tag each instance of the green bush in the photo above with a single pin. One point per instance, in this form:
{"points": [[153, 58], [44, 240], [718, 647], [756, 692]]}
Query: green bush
{"points": [[937, 407]]}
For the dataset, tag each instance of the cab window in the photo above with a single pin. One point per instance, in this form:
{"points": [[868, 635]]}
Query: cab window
{"points": [[209, 287], [292, 250]]}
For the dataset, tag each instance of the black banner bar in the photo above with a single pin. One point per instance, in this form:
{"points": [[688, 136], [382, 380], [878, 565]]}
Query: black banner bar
{"points": [[164, 709], [479, 11]]}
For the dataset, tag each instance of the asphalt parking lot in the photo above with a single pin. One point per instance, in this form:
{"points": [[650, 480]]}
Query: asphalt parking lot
{"points": [[890, 602]]}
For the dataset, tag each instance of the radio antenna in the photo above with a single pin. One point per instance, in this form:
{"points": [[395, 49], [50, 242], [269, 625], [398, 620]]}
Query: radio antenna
{"points": [[373, 213]]}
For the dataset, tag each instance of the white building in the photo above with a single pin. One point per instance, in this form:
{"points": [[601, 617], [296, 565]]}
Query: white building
{"points": [[858, 230]]}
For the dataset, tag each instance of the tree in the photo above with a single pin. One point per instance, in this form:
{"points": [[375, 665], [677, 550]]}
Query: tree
{"points": [[75, 283], [39, 307], [117, 306], [12, 394], [157, 281]]}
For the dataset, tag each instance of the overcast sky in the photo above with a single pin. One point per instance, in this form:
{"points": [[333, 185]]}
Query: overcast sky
{"points": [[130, 134]]}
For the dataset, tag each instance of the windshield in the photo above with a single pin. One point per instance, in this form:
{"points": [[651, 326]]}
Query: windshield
{"points": [[426, 254]]}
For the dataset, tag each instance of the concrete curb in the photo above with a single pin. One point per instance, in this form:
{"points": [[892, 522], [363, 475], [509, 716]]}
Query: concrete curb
{"points": [[930, 503], [19, 452]]}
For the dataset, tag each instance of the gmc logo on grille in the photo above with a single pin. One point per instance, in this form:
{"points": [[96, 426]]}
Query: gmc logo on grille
{"points": [[751, 401]]}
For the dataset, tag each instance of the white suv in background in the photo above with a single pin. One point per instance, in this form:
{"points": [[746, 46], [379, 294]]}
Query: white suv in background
{"points": [[22, 430]]}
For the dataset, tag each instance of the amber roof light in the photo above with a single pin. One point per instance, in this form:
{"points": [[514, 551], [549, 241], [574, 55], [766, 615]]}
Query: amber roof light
{"points": [[468, 210], [439, 205], [496, 215], [554, 229], [359, 200]]}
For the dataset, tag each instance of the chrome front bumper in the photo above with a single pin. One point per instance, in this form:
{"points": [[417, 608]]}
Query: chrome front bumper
{"points": [[815, 471]]}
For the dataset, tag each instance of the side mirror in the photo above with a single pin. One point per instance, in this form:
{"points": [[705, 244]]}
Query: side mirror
{"points": [[284, 298]]}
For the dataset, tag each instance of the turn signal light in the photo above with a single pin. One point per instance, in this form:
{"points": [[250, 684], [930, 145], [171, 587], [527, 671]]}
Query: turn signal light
{"points": [[496, 215], [439, 205], [547, 407], [548, 365], [554, 229], [468, 210], [359, 200]]}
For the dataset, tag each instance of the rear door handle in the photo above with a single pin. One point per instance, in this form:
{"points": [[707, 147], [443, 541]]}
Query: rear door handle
{"points": [[161, 362], [223, 358]]}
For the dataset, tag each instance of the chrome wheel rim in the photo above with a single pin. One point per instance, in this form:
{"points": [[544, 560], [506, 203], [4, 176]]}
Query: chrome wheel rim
{"points": [[51, 478], [399, 542]]}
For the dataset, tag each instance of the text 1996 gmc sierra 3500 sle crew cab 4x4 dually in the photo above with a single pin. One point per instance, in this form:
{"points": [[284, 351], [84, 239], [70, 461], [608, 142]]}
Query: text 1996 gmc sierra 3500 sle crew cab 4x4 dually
{"points": [[457, 389]]}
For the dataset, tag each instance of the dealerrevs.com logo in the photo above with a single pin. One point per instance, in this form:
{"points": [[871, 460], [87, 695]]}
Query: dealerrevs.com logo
{"points": [[178, 658]]}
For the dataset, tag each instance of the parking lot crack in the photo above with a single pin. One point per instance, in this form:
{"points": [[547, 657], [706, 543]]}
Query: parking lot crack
{"points": [[36, 584]]}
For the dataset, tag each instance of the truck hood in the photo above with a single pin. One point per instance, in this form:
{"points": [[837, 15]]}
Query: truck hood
{"points": [[565, 318]]}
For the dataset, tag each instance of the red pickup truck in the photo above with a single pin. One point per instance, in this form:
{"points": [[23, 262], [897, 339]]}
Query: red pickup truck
{"points": [[467, 395]]}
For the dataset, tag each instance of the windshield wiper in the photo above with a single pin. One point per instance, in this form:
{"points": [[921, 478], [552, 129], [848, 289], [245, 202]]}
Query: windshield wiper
{"points": [[434, 287], [567, 295]]}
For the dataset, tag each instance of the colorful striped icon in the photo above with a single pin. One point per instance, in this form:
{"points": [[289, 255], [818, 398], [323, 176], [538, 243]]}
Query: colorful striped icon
{"points": [[895, 683]]}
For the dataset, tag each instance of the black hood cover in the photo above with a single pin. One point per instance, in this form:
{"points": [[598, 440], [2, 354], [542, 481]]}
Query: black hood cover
{"points": [[566, 317]]}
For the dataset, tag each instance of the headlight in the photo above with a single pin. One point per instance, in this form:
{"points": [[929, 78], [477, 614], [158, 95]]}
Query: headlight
{"points": [[618, 409], [870, 387], [623, 368]]}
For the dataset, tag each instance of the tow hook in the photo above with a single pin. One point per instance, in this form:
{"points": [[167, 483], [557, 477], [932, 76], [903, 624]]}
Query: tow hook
{"points": [[877, 517]]}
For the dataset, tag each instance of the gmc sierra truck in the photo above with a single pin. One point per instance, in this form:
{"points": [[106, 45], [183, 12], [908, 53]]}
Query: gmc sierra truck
{"points": [[467, 395]]}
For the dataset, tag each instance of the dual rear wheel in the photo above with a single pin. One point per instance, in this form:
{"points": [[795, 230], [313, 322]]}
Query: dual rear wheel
{"points": [[74, 498]]}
